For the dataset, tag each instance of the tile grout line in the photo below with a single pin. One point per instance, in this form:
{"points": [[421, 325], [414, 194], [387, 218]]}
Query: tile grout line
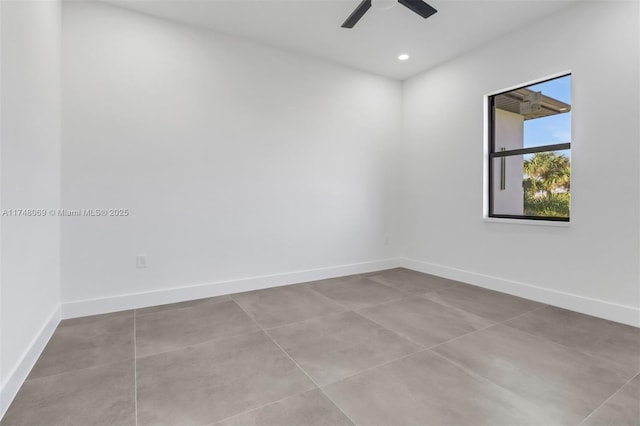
{"points": [[310, 287], [316, 317], [266, 331], [524, 313], [460, 337], [200, 343], [465, 369], [262, 406], [333, 314], [101, 364], [456, 308], [296, 364], [480, 329], [373, 367], [422, 347], [310, 378], [608, 399], [445, 306], [480, 377], [635, 373], [484, 328], [135, 366], [409, 293], [307, 285], [386, 302], [389, 286], [407, 338], [404, 296], [425, 296], [187, 305]]}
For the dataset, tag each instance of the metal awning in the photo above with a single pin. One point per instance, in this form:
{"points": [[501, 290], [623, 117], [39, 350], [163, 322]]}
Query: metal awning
{"points": [[530, 104]]}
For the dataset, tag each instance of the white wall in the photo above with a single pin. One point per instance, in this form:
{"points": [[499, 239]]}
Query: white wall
{"points": [[592, 265], [29, 178], [236, 160]]}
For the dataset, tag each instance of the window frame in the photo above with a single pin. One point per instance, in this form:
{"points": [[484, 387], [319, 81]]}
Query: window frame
{"points": [[493, 154]]}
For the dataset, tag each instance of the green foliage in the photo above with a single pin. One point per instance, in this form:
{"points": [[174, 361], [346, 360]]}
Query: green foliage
{"points": [[554, 205], [547, 185]]}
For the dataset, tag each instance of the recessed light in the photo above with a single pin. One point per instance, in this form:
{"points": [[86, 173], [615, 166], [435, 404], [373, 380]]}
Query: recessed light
{"points": [[403, 57], [563, 109]]}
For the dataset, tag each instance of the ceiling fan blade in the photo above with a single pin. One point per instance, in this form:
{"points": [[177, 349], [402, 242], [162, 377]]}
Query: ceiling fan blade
{"points": [[357, 14], [419, 7]]}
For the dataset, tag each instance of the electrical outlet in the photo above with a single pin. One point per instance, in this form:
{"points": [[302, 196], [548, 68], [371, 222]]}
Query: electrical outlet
{"points": [[141, 261]]}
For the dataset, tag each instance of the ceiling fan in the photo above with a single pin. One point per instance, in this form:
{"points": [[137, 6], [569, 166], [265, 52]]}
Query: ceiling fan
{"points": [[417, 6]]}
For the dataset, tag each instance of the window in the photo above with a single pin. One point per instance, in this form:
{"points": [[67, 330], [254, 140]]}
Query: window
{"points": [[530, 151]]}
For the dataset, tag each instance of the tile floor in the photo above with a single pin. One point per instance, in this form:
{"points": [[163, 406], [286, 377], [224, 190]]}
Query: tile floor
{"points": [[390, 348]]}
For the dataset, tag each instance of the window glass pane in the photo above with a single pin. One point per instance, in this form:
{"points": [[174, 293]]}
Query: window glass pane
{"points": [[535, 185], [532, 116]]}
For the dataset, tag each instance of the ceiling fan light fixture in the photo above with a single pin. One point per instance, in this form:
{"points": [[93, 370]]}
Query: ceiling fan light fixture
{"points": [[416, 6], [403, 57]]}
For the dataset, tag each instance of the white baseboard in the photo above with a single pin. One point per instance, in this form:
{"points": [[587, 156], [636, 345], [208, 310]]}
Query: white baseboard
{"points": [[598, 308], [18, 375], [615, 312], [73, 309]]}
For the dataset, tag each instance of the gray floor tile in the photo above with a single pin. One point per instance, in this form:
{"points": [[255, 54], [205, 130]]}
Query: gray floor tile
{"points": [[332, 348], [595, 336], [203, 384], [356, 292], [307, 409], [278, 306], [424, 389], [87, 342], [423, 321], [563, 382], [102, 395], [485, 303], [171, 329], [623, 409], [206, 361], [187, 304], [411, 281]]}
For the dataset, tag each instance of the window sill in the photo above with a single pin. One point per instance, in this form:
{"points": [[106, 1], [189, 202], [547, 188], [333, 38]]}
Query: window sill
{"points": [[551, 223]]}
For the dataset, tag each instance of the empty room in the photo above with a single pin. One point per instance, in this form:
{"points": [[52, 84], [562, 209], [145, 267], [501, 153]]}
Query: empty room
{"points": [[319, 212]]}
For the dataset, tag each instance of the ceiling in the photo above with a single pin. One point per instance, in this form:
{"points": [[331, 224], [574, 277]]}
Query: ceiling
{"points": [[312, 27]]}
